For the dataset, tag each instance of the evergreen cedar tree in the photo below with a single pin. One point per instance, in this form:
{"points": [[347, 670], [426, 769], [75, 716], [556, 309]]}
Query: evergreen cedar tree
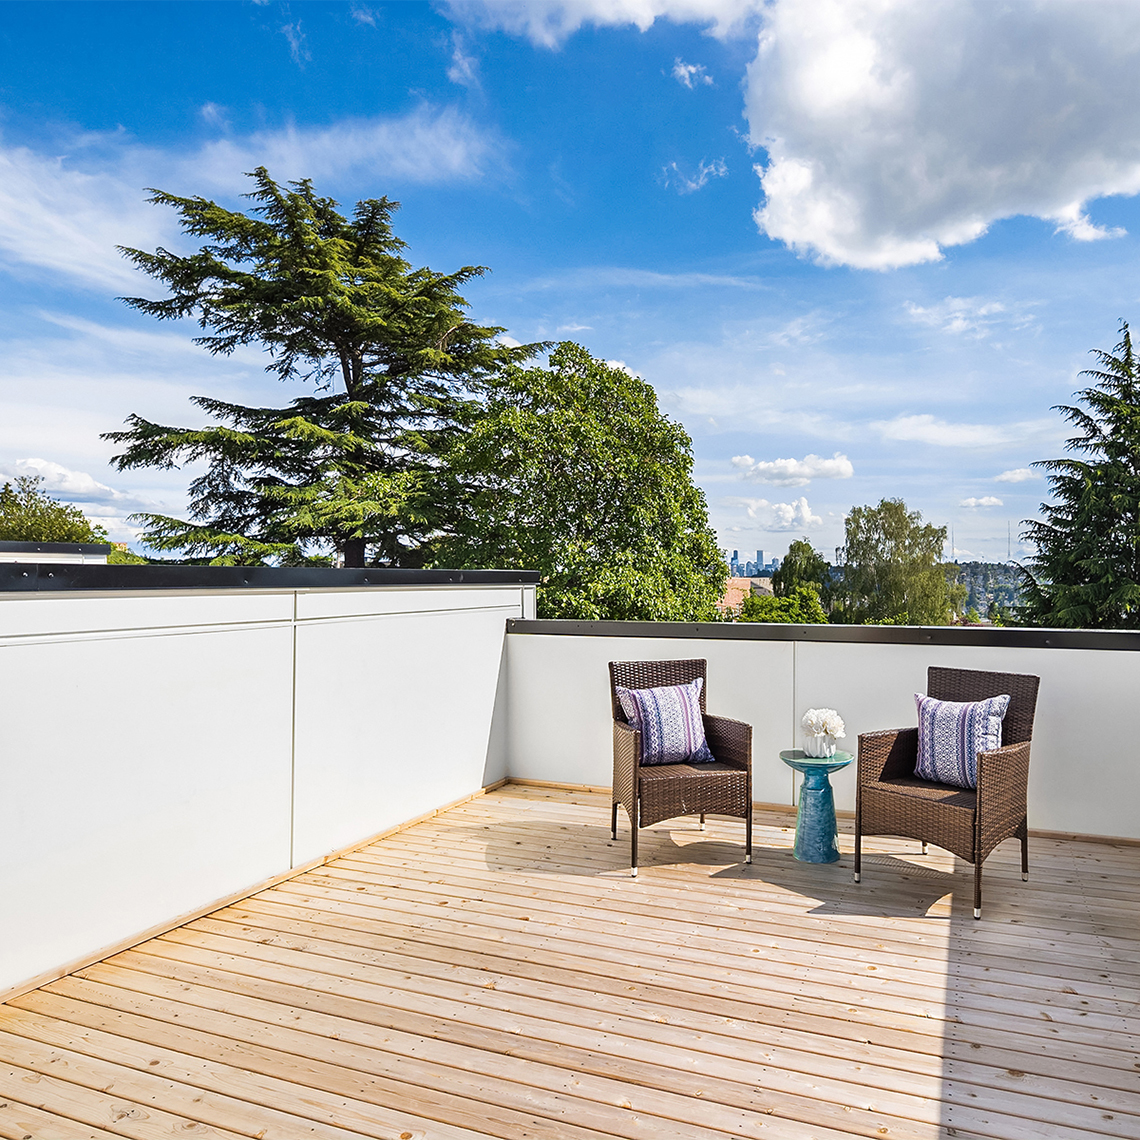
{"points": [[1086, 572], [426, 440]]}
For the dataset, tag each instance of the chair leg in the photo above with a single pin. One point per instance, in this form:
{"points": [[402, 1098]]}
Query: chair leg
{"points": [[1023, 835], [978, 889], [858, 846], [702, 821], [924, 847], [634, 823], [613, 822], [748, 836]]}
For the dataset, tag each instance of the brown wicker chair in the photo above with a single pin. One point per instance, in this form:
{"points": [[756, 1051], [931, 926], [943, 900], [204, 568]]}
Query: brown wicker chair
{"points": [[891, 800], [655, 792]]}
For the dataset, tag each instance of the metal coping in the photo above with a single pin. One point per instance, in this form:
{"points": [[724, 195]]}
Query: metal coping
{"points": [[30, 577], [7, 547], [1010, 638]]}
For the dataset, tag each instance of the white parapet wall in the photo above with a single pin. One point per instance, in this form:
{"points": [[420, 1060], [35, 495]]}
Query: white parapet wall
{"points": [[162, 750], [1085, 771]]}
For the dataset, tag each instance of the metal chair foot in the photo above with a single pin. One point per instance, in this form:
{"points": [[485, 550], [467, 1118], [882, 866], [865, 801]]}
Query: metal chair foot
{"points": [[977, 912], [858, 877], [748, 858], [702, 827], [613, 835], [1025, 876], [633, 872], [924, 848]]}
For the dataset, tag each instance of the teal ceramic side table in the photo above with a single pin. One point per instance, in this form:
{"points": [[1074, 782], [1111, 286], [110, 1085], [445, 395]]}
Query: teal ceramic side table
{"points": [[817, 837]]}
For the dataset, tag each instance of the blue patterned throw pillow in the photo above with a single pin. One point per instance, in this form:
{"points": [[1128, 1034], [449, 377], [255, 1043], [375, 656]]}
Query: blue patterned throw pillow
{"points": [[669, 720], [952, 733]]}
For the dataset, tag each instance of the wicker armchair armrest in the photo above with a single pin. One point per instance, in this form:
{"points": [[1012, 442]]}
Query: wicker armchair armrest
{"points": [[729, 740], [1003, 784], [627, 760], [889, 753]]}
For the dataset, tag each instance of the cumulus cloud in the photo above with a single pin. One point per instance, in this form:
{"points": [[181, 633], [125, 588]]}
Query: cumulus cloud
{"points": [[686, 183], [984, 501], [794, 472], [795, 515], [690, 74], [1017, 475], [66, 214], [550, 22], [882, 151], [930, 430]]}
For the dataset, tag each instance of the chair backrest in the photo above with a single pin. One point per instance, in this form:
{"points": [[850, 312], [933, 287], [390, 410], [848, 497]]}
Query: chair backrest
{"points": [[652, 675], [977, 685]]}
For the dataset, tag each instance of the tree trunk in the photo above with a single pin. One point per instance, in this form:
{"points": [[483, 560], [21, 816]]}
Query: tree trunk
{"points": [[353, 552]]}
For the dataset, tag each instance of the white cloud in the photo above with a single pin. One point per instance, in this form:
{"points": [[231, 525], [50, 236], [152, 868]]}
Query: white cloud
{"points": [[690, 74], [296, 39], [464, 69], [1017, 475], [795, 515], [214, 114], [688, 183], [940, 433], [881, 152], [984, 501], [550, 22], [73, 486], [66, 214], [958, 315], [794, 472]]}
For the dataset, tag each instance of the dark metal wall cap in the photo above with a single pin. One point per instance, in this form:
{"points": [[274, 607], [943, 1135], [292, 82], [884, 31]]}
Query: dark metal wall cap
{"points": [[31, 576], [1015, 637]]}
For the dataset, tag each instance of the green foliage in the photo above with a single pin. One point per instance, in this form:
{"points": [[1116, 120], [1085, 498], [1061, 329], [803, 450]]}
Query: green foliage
{"points": [[892, 572], [1086, 573], [331, 299], [28, 514], [573, 471], [800, 606], [803, 566]]}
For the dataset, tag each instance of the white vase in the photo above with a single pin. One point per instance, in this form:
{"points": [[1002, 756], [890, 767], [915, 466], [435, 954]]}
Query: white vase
{"points": [[819, 747]]}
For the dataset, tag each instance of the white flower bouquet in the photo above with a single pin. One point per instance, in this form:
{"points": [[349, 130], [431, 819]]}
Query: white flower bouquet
{"points": [[822, 728]]}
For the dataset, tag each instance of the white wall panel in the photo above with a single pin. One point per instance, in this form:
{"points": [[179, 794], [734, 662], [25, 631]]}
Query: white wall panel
{"points": [[143, 777], [393, 719], [147, 757]]}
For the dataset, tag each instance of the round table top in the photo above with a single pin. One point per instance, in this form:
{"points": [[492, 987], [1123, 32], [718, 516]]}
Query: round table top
{"points": [[802, 762]]}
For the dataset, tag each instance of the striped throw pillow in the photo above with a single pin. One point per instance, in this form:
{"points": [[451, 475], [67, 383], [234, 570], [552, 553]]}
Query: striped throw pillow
{"points": [[669, 720], [952, 733]]}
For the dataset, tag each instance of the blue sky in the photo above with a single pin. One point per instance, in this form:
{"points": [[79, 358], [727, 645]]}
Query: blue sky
{"points": [[858, 248]]}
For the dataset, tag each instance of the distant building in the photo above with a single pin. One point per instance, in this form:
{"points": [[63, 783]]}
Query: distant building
{"points": [[736, 589]]}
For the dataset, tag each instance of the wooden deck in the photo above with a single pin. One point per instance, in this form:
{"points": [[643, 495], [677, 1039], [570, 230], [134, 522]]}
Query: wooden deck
{"points": [[495, 972]]}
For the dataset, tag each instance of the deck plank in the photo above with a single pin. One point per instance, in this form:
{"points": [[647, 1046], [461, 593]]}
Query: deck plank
{"points": [[495, 972]]}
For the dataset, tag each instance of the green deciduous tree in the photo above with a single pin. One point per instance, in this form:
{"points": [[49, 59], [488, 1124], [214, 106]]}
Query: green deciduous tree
{"points": [[573, 471], [802, 566], [892, 570], [801, 605], [1086, 572], [333, 302], [30, 514]]}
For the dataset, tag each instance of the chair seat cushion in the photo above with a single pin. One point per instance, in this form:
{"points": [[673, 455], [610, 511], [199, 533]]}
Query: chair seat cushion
{"points": [[669, 720], [952, 733]]}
